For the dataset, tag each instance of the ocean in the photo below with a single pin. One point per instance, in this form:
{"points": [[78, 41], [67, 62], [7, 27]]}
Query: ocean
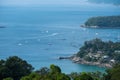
{"points": [[42, 36]]}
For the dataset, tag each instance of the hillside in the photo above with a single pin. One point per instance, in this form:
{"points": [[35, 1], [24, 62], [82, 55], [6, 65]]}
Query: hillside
{"points": [[98, 52], [103, 22]]}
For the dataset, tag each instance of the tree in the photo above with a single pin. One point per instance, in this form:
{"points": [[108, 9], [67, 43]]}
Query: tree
{"points": [[103, 21], [8, 78], [54, 73], [32, 76], [63, 76], [83, 76], [14, 67], [55, 69], [43, 71], [113, 74]]}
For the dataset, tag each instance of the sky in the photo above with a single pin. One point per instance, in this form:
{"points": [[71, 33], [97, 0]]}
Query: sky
{"points": [[52, 2], [41, 2], [71, 4]]}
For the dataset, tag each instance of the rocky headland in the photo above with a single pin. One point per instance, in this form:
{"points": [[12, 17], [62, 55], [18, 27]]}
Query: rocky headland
{"points": [[97, 52]]}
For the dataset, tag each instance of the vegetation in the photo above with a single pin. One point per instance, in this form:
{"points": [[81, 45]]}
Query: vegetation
{"points": [[52, 73], [8, 78], [105, 21], [113, 74], [15, 68], [99, 49]]}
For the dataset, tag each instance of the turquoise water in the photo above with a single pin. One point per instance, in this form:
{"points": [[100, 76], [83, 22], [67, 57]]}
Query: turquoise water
{"points": [[41, 36]]}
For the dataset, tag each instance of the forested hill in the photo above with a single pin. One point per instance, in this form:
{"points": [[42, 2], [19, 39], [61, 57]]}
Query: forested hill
{"points": [[103, 21], [97, 50]]}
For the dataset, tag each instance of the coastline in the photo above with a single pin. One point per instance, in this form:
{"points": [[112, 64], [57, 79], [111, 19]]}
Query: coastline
{"points": [[82, 61], [79, 60], [98, 27]]}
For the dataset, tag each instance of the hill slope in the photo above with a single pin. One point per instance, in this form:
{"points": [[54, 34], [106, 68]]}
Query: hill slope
{"points": [[104, 21]]}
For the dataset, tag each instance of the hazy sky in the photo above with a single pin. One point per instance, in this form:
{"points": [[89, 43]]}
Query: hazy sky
{"points": [[42, 2]]}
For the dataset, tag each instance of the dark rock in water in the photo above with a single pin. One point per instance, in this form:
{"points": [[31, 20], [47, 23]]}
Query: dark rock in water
{"points": [[63, 39], [2, 26], [64, 58]]}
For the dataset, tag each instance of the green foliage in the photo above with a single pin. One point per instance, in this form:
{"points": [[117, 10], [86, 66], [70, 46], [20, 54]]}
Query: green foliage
{"points": [[54, 73], [55, 69], [97, 46], [32, 76], [87, 76], [43, 71], [8, 78], [96, 75], [81, 76], [87, 58], [62, 77], [14, 67], [105, 21], [73, 75], [113, 74], [91, 46]]}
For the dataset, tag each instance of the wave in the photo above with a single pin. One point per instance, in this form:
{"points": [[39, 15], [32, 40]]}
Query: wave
{"points": [[21, 24], [53, 34], [38, 38]]}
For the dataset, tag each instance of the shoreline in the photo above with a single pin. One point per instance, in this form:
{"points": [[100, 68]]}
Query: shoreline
{"points": [[98, 27], [79, 60]]}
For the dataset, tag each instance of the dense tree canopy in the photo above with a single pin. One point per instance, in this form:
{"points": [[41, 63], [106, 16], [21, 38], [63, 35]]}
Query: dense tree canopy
{"points": [[104, 21], [14, 67], [114, 73], [52, 73], [83, 76], [97, 46]]}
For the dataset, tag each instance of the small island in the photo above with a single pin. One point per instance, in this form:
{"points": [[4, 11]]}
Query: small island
{"points": [[98, 52], [103, 22]]}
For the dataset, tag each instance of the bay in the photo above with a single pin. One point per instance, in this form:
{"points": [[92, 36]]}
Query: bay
{"points": [[41, 36]]}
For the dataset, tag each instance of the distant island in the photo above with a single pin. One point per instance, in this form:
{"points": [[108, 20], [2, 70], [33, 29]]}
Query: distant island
{"points": [[97, 52], [103, 22]]}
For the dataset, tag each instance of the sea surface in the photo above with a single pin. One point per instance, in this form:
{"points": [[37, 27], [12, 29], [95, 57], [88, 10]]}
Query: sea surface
{"points": [[41, 36]]}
